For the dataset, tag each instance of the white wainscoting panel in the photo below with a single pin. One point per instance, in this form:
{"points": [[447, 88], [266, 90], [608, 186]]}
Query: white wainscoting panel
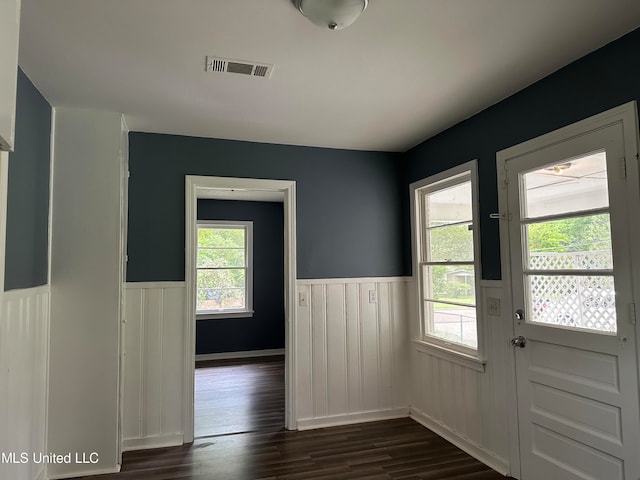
{"points": [[24, 356], [153, 365], [466, 406], [352, 355]]}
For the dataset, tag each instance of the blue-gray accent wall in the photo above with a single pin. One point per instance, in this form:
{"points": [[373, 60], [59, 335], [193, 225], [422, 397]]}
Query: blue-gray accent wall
{"points": [[26, 262], [597, 82], [349, 221], [265, 330]]}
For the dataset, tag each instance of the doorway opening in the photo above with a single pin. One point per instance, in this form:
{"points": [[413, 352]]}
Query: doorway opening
{"points": [[239, 376], [226, 188]]}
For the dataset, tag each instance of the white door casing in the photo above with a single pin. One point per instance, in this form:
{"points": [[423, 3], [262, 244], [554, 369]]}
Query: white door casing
{"points": [[576, 388], [123, 159], [247, 189]]}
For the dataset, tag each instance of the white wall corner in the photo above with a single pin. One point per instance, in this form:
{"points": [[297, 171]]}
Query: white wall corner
{"points": [[477, 451]]}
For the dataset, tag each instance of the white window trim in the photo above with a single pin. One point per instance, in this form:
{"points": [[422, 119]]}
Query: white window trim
{"points": [[248, 311], [455, 352]]}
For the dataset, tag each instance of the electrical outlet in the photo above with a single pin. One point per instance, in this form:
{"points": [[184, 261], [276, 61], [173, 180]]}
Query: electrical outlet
{"points": [[373, 296], [493, 306], [303, 301]]}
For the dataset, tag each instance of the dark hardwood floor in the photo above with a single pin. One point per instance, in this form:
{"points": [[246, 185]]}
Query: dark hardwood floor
{"points": [[235, 396], [388, 450]]}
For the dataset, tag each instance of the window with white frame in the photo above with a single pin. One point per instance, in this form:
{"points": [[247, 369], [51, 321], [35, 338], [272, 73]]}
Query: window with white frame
{"points": [[224, 267], [445, 221]]}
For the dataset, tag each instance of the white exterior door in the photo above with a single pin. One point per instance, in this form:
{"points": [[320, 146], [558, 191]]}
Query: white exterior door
{"points": [[569, 231]]}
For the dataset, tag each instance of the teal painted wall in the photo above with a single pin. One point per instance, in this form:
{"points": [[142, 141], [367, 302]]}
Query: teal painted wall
{"points": [[26, 262], [349, 221]]}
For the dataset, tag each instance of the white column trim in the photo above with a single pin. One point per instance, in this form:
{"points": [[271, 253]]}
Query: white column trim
{"points": [[4, 186]]}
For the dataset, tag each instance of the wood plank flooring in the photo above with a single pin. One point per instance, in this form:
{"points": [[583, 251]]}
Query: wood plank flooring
{"points": [[397, 449], [235, 396]]}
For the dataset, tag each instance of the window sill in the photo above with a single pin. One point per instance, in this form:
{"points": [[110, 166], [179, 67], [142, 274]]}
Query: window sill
{"points": [[221, 315], [450, 355]]}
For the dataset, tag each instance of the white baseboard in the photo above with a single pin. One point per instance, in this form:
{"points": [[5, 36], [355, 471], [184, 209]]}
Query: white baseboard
{"points": [[476, 451], [350, 418], [85, 473], [244, 354], [146, 443]]}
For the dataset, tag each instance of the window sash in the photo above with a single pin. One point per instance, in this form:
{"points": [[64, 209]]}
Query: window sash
{"points": [[247, 268], [423, 231]]}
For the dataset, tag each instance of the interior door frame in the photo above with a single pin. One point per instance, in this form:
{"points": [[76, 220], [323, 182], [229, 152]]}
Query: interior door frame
{"points": [[627, 115], [199, 186]]}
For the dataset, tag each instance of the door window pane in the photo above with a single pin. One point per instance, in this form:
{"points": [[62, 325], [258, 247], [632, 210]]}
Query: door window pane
{"points": [[582, 243], [573, 185], [586, 302]]}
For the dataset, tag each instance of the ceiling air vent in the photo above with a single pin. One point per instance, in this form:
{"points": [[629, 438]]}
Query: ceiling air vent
{"points": [[227, 65]]}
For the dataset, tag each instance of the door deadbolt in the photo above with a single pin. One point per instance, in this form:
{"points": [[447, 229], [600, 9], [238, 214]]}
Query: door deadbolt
{"points": [[519, 315], [518, 341]]}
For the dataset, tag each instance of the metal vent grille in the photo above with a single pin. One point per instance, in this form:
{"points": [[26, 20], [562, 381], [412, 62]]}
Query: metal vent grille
{"points": [[260, 71], [227, 65]]}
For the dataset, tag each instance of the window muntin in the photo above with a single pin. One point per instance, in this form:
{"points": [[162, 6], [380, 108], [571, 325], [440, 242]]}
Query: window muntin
{"points": [[223, 267], [447, 263]]}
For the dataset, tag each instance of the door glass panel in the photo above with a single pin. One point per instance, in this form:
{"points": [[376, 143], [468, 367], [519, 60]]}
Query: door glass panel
{"points": [[452, 323], [585, 302], [582, 243], [573, 185]]}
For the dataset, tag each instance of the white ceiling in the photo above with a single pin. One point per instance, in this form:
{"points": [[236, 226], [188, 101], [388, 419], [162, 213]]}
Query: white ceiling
{"points": [[406, 70]]}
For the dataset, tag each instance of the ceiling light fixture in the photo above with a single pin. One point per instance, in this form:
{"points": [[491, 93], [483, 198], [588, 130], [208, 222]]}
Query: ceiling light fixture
{"points": [[332, 14], [560, 168]]}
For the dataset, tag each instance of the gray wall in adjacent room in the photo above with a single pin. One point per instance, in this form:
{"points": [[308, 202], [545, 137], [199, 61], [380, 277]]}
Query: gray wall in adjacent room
{"points": [[597, 82], [26, 262], [265, 330], [349, 220]]}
